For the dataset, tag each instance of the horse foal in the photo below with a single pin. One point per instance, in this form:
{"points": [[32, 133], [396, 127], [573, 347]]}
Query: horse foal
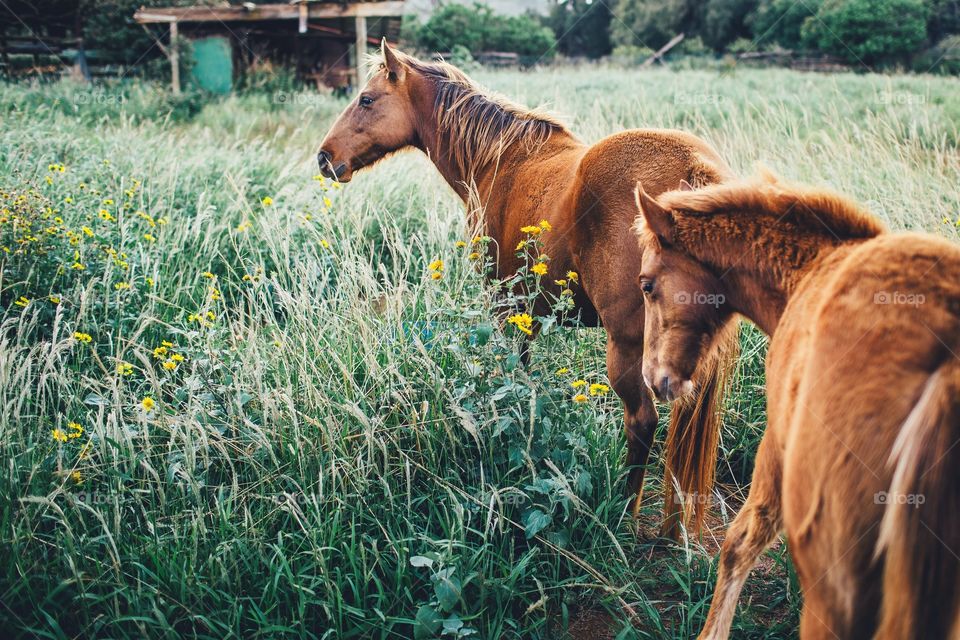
{"points": [[859, 461]]}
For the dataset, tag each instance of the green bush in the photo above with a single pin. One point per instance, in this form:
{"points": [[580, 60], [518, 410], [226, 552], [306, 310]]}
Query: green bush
{"points": [[780, 22], [868, 31], [479, 29]]}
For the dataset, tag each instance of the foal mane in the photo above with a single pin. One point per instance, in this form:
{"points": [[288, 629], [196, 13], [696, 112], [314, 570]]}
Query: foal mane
{"points": [[813, 210], [484, 124]]}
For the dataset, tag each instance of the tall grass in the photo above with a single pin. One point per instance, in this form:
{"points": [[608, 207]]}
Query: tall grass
{"points": [[350, 447]]}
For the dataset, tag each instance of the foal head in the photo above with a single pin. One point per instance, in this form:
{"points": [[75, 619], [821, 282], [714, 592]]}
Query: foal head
{"points": [[380, 120], [685, 304]]}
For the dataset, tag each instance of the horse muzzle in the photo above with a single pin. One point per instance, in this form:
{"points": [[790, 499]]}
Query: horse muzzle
{"points": [[328, 169]]}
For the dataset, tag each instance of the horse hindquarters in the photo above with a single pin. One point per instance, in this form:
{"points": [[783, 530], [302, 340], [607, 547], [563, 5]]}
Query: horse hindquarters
{"points": [[920, 537]]}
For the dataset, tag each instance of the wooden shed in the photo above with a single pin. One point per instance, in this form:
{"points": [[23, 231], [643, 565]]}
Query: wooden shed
{"points": [[323, 41]]}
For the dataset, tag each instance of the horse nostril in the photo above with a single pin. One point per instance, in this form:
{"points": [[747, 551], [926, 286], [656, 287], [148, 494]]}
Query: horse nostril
{"points": [[324, 159], [665, 387]]}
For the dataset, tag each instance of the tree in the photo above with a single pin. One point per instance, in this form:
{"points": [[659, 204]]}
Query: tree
{"points": [[723, 21], [479, 29], [649, 23], [780, 21], [868, 31], [582, 27]]}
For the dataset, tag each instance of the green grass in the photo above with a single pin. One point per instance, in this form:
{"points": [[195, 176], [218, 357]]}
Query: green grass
{"points": [[349, 445]]}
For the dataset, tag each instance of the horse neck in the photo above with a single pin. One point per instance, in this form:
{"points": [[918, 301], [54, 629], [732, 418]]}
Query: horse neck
{"points": [[473, 184], [763, 267]]}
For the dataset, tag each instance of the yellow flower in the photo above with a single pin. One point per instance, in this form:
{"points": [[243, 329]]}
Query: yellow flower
{"points": [[573, 275], [562, 371], [87, 231], [149, 237], [149, 282], [54, 299], [108, 202], [540, 269], [177, 357], [597, 389], [531, 230], [76, 430], [460, 244], [78, 266], [160, 353], [546, 226], [436, 265], [562, 282], [267, 201], [76, 477], [210, 315], [148, 403], [579, 398], [473, 256], [479, 239], [161, 221], [214, 294], [166, 343], [521, 245], [59, 435], [85, 338], [106, 215], [576, 384], [242, 227], [523, 322], [169, 365], [436, 275], [121, 286], [324, 244], [208, 275], [327, 202], [22, 301], [124, 368]]}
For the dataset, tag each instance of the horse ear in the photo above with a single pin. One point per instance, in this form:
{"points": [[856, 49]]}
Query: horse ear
{"points": [[659, 220], [391, 61], [685, 186]]}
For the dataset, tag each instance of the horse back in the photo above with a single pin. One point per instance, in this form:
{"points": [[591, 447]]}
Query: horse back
{"points": [[602, 206]]}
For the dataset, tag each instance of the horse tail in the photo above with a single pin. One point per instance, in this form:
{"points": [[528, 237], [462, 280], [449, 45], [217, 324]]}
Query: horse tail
{"points": [[693, 438], [920, 531]]}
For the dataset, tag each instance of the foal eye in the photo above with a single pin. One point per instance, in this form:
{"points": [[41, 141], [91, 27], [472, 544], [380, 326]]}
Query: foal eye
{"points": [[646, 286], [366, 101]]}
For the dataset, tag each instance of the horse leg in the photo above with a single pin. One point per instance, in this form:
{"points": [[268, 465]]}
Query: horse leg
{"points": [[750, 533], [624, 364]]}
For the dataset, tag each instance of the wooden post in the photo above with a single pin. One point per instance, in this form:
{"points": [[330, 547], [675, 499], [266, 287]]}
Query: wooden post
{"points": [[304, 14], [174, 57], [361, 49]]}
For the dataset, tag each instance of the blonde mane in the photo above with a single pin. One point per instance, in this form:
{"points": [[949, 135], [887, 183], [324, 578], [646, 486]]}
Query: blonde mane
{"points": [[811, 209], [483, 124]]}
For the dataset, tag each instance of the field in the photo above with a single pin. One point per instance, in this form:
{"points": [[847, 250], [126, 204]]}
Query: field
{"points": [[236, 402]]}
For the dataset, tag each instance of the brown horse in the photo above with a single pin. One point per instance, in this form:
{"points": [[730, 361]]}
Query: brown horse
{"points": [[859, 461], [514, 167]]}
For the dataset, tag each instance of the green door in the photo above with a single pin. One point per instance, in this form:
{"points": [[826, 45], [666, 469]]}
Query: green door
{"points": [[212, 64]]}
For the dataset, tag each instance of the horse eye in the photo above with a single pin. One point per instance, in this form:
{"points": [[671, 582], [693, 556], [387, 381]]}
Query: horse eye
{"points": [[366, 101], [646, 286]]}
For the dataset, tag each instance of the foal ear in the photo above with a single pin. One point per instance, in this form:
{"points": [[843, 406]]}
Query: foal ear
{"points": [[685, 186], [391, 61], [659, 220]]}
